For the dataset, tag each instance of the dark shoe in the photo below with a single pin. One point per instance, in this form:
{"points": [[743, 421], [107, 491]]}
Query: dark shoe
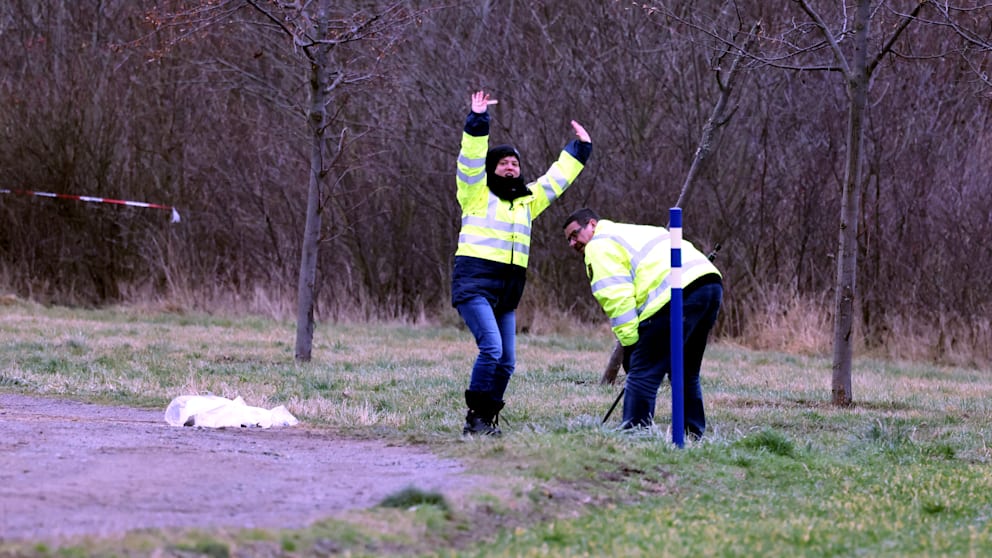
{"points": [[483, 414], [478, 425]]}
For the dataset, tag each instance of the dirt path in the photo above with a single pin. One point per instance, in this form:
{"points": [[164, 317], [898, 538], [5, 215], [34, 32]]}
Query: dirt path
{"points": [[69, 468]]}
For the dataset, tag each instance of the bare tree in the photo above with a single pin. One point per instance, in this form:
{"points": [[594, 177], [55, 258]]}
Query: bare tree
{"points": [[718, 118], [856, 74], [327, 39], [846, 45], [856, 67]]}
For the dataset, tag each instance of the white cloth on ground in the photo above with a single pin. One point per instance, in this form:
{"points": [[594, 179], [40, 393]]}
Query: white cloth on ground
{"points": [[212, 411]]}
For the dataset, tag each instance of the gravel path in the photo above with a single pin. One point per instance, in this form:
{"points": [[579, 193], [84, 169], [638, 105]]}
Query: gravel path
{"points": [[70, 469]]}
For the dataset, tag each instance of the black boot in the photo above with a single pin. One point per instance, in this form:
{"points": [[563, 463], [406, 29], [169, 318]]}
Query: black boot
{"points": [[483, 414]]}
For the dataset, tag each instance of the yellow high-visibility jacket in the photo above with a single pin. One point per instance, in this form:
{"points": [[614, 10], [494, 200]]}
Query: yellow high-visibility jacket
{"points": [[494, 229], [629, 268]]}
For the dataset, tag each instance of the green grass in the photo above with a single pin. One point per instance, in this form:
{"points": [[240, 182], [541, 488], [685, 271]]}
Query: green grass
{"points": [[782, 472]]}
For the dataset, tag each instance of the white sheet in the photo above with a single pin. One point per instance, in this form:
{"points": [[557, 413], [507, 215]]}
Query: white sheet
{"points": [[212, 411]]}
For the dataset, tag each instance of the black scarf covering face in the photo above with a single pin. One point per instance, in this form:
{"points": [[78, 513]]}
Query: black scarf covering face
{"points": [[507, 188]]}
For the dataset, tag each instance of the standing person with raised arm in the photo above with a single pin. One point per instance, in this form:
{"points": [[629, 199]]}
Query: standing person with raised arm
{"points": [[498, 206]]}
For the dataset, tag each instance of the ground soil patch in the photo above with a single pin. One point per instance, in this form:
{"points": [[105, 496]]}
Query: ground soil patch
{"points": [[71, 469]]}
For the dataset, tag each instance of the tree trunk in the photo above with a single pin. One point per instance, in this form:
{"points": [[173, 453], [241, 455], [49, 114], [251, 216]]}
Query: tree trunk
{"points": [[847, 249], [319, 79], [613, 365]]}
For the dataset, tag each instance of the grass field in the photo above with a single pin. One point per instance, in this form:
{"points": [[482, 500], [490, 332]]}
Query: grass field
{"points": [[903, 472]]}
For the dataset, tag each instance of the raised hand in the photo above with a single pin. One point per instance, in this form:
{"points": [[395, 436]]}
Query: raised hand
{"points": [[481, 102], [581, 132]]}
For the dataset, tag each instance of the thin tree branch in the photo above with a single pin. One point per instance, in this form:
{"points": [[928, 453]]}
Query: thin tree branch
{"points": [[945, 12], [717, 117], [903, 25], [834, 45], [268, 15]]}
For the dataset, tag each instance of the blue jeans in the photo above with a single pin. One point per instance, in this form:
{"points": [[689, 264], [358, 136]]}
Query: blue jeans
{"points": [[495, 335], [651, 360]]}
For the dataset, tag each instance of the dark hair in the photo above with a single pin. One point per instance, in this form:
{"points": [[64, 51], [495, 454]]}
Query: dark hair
{"points": [[581, 216]]}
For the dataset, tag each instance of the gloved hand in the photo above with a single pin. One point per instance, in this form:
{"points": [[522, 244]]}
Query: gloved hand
{"points": [[627, 351]]}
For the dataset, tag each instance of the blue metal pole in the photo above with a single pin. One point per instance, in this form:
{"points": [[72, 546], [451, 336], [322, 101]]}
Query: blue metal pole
{"points": [[678, 410]]}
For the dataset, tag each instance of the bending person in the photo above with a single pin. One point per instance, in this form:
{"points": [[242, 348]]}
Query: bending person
{"points": [[629, 268]]}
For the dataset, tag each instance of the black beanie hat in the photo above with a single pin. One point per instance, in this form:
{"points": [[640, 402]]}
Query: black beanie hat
{"points": [[495, 154]]}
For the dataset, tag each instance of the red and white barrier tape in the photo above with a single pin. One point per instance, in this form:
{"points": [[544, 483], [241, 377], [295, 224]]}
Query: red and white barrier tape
{"points": [[175, 214]]}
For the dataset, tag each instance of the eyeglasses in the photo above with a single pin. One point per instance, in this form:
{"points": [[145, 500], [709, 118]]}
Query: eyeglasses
{"points": [[574, 235]]}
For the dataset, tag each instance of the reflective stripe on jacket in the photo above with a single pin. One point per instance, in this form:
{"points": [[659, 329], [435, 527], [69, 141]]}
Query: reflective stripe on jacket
{"points": [[629, 268], [494, 229]]}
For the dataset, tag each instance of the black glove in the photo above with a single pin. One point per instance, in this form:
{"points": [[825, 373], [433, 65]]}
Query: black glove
{"points": [[627, 351]]}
